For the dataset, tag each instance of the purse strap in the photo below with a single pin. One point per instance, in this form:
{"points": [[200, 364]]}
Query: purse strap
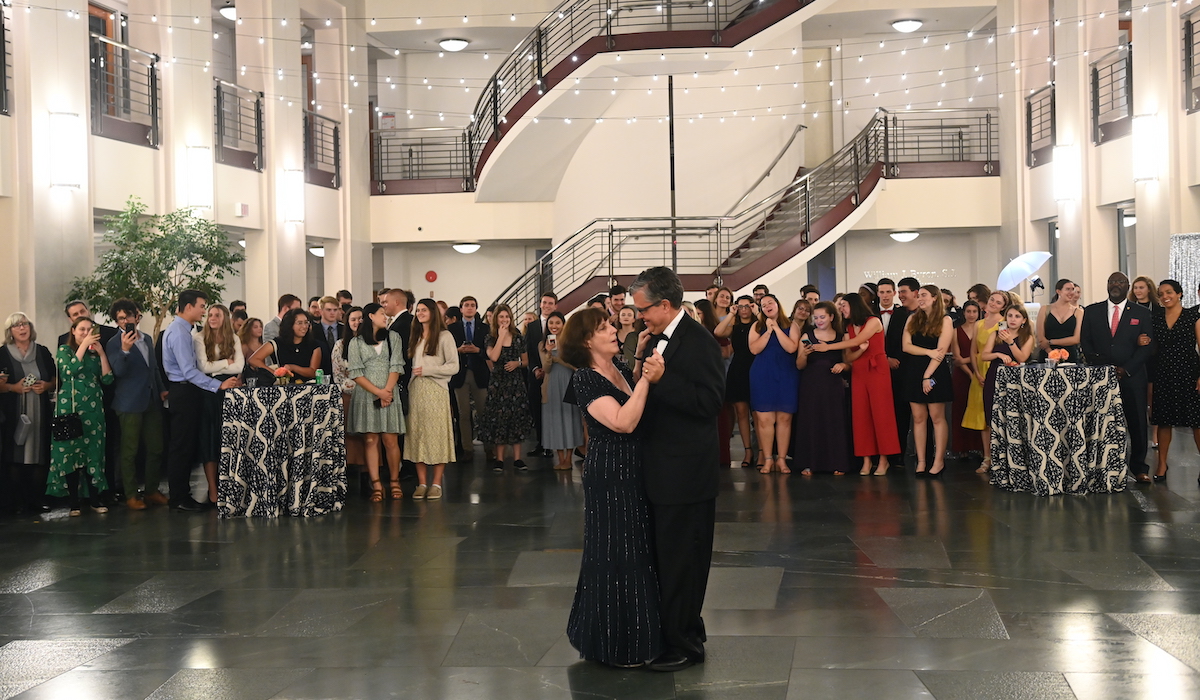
{"points": [[73, 407]]}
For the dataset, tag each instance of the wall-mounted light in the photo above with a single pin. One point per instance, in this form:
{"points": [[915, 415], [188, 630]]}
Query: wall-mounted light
{"points": [[905, 236], [199, 164], [466, 248], [68, 149], [1147, 147], [1068, 185], [293, 196]]}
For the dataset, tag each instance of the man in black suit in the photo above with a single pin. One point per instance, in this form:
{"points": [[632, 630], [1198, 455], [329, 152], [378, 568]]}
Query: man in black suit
{"points": [[75, 309], [895, 306], [1111, 335], [328, 330], [398, 303], [471, 382], [534, 333], [682, 458]]}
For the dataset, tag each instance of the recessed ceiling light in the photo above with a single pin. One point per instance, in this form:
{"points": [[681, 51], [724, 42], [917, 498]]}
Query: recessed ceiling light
{"points": [[905, 236], [453, 45], [904, 26], [229, 12]]}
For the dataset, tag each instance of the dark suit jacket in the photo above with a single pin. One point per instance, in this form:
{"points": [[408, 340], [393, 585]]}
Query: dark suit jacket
{"points": [[679, 424], [138, 385], [1101, 347], [402, 326], [893, 340], [533, 336], [318, 331], [475, 362], [11, 405]]}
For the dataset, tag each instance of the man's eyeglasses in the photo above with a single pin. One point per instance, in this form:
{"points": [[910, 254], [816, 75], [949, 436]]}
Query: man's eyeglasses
{"points": [[644, 309]]}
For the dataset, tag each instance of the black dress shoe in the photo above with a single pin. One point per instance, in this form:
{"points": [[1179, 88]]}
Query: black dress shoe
{"points": [[671, 661], [188, 505]]}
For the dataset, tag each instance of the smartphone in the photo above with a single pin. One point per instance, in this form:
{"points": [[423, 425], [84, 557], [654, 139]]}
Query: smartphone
{"points": [[551, 340], [130, 327], [806, 341]]}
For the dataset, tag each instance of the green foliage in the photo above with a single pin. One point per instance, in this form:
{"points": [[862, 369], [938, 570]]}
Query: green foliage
{"points": [[154, 258]]}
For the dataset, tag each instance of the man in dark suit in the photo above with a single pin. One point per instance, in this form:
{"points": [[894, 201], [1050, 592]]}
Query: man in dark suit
{"points": [[397, 304], [471, 382], [138, 397], [682, 458], [534, 333], [75, 309], [328, 330], [1111, 335], [900, 301]]}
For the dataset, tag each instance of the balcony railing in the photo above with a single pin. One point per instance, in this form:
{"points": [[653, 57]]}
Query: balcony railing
{"points": [[6, 63], [1112, 95], [423, 161], [1039, 127], [1191, 61], [739, 248], [125, 92], [322, 151], [238, 126]]}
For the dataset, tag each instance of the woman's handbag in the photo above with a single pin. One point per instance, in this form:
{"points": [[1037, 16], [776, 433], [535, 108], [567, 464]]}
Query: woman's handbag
{"points": [[264, 376], [67, 426]]}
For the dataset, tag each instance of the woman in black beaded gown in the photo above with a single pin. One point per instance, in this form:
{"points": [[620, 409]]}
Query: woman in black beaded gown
{"points": [[615, 617]]}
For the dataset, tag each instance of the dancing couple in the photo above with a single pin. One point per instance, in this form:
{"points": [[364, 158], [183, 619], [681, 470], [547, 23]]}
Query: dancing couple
{"points": [[649, 480]]}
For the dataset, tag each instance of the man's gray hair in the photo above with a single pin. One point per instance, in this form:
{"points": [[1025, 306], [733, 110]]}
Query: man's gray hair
{"points": [[658, 283]]}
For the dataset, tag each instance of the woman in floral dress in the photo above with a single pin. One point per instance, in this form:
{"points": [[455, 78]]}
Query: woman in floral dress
{"points": [[82, 368], [506, 419]]}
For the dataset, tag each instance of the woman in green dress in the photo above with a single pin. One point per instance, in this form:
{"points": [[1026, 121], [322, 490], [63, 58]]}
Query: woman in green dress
{"points": [[376, 364], [82, 368]]}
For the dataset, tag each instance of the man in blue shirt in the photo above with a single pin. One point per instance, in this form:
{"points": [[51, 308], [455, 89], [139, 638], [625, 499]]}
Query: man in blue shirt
{"points": [[185, 381]]}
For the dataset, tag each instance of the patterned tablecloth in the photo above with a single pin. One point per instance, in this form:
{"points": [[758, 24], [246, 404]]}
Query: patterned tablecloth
{"points": [[283, 451], [1059, 430]]}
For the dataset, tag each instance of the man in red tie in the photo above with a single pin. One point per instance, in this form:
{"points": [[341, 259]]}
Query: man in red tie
{"points": [[1110, 336]]}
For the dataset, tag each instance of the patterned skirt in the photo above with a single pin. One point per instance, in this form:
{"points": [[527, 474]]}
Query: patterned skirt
{"points": [[430, 438]]}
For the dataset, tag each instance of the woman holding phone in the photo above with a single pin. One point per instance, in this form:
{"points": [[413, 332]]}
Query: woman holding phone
{"points": [[83, 368], [506, 419], [562, 423]]}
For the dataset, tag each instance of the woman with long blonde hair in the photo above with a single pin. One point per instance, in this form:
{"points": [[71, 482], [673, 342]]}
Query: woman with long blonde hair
{"points": [[219, 355], [929, 386]]}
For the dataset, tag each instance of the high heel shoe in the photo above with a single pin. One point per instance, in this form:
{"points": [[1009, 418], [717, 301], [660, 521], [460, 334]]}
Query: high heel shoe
{"points": [[920, 468], [1159, 478], [936, 475]]}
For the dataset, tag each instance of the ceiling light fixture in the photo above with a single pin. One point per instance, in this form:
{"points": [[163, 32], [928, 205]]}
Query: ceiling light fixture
{"points": [[229, 12], [906, 26], [453, 45], [905, 236], [466, 248]]}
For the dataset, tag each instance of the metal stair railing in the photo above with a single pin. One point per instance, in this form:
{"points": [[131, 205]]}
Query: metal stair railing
{"points": [[716, 246]]}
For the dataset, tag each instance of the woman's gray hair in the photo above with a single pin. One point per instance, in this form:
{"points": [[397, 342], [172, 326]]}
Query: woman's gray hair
{"points": [[658, 283], [13, 320]]}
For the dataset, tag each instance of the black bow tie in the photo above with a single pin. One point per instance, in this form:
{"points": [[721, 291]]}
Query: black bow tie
{"points": [[652, 344]]}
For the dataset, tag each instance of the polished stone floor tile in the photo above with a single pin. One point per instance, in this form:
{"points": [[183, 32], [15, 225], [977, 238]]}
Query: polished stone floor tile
{"points": [[98, 685], [839, 684], [1036, 625], [545, 569], [506, 637], [904, 552], [1117, 686], [1178, 635], [946, 612], [739, 667], [805, 623], [228, 683], [742, 588], [988, 685], [323, 612], [1109, 571]]}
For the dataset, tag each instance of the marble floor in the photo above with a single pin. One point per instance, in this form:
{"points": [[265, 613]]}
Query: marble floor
{"points": [[847, 587]]}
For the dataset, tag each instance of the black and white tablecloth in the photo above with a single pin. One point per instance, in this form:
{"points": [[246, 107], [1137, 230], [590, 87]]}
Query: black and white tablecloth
{"points": [[283, 451], [1059, 430]]}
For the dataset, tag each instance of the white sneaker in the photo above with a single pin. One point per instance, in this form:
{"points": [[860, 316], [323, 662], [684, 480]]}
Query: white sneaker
{"points": [[419, 492], [435, 493]]}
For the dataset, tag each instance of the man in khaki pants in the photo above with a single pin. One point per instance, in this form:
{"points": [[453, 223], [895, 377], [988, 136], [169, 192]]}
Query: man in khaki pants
{"points": [[470, 384]]}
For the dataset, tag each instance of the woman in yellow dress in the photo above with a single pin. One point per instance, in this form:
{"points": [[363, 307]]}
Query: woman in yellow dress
{"points": [[973, 419]]}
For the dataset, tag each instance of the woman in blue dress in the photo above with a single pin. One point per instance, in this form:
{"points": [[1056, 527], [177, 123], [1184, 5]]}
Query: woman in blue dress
{"points": [[615, 617], [774, 380]]}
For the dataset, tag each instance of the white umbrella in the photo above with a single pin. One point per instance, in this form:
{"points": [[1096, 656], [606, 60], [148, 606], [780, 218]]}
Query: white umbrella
{"points": [[1021, 267]]}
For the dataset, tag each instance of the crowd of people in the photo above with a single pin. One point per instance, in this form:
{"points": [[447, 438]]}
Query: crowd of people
{"points": [[848, 383]]}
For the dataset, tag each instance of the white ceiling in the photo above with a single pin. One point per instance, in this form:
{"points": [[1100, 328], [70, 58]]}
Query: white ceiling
{"points": [[847, 25], [498, 40]]}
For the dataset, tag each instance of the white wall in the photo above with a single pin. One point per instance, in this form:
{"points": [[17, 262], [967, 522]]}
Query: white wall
{"points": [[122, 169], [456, 217], [484, 274], [953, 260]]}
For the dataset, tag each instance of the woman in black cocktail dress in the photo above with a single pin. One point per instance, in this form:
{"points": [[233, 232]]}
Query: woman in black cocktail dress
{"points": [[615, 617]]}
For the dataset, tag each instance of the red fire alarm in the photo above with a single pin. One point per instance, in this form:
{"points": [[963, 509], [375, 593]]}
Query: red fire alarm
{"points": [[431, 276]]}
